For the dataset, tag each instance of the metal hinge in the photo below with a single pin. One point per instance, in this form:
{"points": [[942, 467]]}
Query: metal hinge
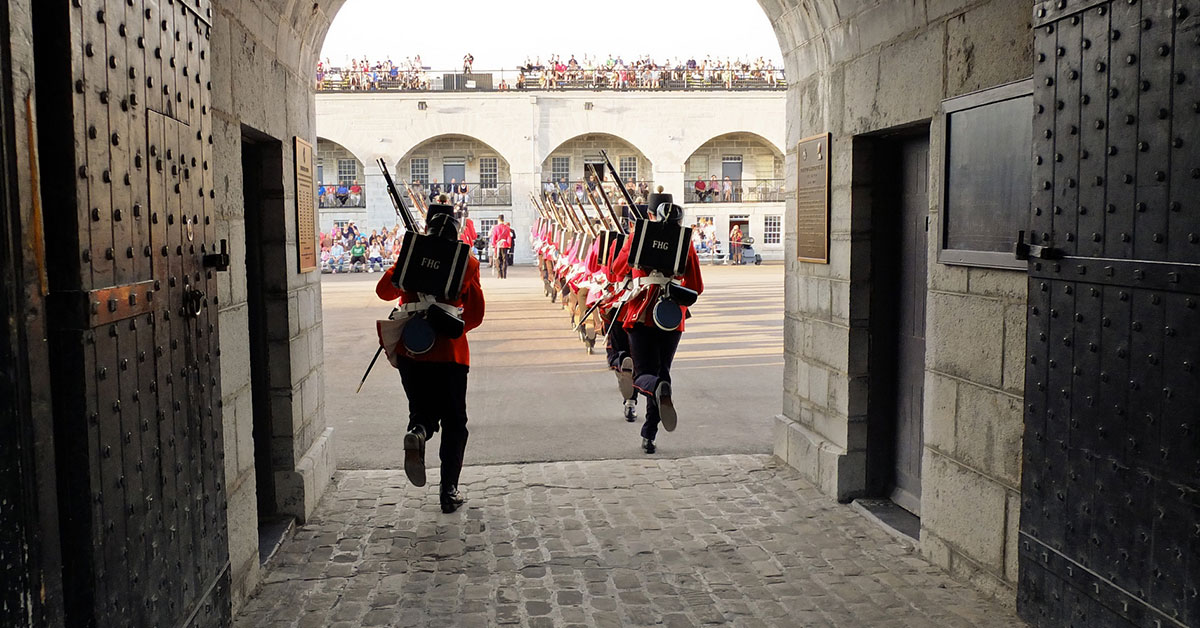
{"points": [[218, 261]]}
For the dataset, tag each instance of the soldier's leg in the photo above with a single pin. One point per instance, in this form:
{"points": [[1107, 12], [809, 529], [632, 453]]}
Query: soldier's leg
{"points": [[643, 347], [452, 390]]}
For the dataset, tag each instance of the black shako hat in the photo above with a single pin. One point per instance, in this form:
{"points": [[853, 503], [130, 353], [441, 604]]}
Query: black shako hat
{"points": [[440, 221], [656, 199]]}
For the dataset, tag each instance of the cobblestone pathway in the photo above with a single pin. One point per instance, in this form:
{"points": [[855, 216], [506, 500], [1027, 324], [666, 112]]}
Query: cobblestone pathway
{"points": [[728, 540]]}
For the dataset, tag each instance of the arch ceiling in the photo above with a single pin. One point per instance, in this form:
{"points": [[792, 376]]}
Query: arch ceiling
{"points": [[777, 150], [608, 136], [453, 136]]}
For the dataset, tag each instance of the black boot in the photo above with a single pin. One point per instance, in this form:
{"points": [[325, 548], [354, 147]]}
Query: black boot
{"points": [[648, 446], [414, 455], [451, 499]]}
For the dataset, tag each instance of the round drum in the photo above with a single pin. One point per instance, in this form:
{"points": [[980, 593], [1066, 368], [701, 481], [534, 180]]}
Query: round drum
{"points": [[668, 315], [418, 335]]}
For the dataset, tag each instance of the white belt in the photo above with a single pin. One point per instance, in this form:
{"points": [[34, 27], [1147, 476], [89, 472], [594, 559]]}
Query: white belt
{"points": [[426, 302], [650, 280]]}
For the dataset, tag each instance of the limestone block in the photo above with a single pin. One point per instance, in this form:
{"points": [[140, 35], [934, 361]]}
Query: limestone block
{"points": [[242, 517], [843, 474], [817, 297], [298, 491], [945, 277], [779, 438], [229, 435], [243, 432], [990, 44], [964, 508], [234, 324], [1015, 326], [1006, 284], [1012, 537], [802, 451], [860, 82], [301, 357], [885, 21], [857, 394], [221, 68], [934, 549], [910, 77], [989, 430], [965, 337], [829, 426], [818, 386], [839, 300], [828, 345], [941, 412], [286, 412]]}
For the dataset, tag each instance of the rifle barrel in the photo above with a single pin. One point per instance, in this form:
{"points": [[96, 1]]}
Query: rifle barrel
{"points": [[621, 185], [397, 202]]}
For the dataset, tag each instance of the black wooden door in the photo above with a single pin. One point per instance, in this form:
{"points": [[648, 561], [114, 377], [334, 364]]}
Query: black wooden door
{"points": [[1110, 518], [910, 322], [124, 127]]}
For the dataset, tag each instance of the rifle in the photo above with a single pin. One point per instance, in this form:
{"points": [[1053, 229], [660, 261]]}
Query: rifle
{"points": [[608, 224], [637, 213], [403, 212], [410, 224], [611, 210], [415, 201], [586, 220]]}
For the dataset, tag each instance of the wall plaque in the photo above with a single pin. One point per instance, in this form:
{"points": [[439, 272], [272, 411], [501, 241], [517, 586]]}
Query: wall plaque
{"points": [[812, 199], [306, 207]]}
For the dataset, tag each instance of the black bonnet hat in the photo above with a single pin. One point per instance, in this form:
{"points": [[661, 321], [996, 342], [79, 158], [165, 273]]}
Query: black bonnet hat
{"points": [[440, 221], [656, 199]]}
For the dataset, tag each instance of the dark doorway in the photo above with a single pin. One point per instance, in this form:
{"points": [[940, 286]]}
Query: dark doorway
{"points": [[262, 157], [898, 180], [597, 169], [454, 172]]}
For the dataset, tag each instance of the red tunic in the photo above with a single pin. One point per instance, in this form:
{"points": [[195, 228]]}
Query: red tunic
{"points": [[470, 299], [468, 234], [637, 309]]}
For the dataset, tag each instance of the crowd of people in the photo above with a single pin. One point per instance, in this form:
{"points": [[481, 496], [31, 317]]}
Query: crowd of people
{"points": [[611, 72], [341, 194], [364, 74], [615, 72], [348, 249]]}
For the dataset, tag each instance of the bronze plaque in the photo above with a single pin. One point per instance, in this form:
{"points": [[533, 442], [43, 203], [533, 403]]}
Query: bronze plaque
{"points": [[812, 199], [306, 207]]}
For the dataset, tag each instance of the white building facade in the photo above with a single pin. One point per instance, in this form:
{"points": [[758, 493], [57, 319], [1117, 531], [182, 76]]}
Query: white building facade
{"points": [[506, 146]]}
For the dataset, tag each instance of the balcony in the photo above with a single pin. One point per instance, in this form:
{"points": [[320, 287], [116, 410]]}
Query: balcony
{"points": [[479, 194], [741, 191]]}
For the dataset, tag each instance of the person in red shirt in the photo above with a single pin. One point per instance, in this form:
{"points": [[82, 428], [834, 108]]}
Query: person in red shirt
{"points": [[653, 348], [468, 233], [436, 382], [501, 244]]}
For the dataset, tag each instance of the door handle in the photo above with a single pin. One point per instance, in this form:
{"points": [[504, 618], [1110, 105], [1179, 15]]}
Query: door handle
{"points": [[1022, 250]]}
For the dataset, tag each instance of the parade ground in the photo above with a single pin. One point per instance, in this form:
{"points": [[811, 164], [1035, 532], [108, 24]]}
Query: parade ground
{"points": [[567, 522], [534, 395]]}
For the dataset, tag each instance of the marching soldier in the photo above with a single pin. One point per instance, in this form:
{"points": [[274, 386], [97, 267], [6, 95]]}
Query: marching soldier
{"points": [[436, 381], [651, 346]]}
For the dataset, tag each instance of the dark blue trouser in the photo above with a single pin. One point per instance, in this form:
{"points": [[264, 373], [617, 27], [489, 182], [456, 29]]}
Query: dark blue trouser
{"points": [[437, 393], [653, 351]]}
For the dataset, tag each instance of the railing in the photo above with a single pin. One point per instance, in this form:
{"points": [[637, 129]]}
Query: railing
{"points": [[674, 79], [739, 191], [334, 201], [490, 194]]}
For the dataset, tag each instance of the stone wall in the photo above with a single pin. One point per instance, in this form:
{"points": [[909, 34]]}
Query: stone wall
{"points": [[459, 147], [586, 148], [856, 68], [760, 160], [259, 48]]}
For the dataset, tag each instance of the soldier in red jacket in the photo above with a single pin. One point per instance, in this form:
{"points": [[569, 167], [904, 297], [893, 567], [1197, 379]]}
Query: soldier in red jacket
{"points": [[436, 381], [653, 348]]}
